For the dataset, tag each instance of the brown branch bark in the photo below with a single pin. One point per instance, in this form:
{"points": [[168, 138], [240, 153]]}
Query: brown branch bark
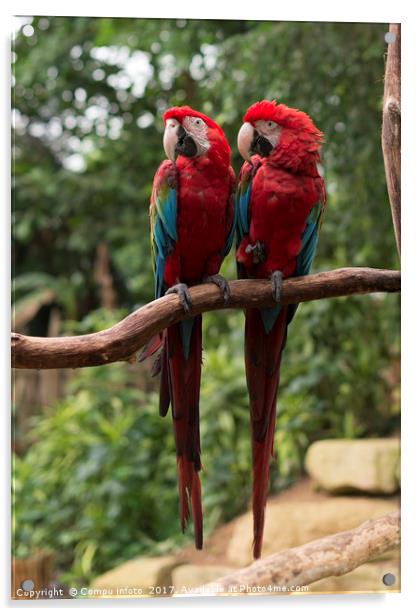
{"points": [[332, 555], [391, 129], [122, 340]]}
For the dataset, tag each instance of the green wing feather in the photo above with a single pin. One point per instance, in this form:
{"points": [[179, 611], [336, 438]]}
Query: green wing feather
{"points": [[310, 236], [163, 218]]}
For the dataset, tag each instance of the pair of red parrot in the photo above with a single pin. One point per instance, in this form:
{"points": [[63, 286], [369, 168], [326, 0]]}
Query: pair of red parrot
{"points": [[276, 214]]}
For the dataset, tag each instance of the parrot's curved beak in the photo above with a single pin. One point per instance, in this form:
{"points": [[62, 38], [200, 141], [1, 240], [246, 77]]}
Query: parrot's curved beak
{"points": [[178, 141], [186, 145], [261, 145], [250, 141], [170, 138], [245, 139]]}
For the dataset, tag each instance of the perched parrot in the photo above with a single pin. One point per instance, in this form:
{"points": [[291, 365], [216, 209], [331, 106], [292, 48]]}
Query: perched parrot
{"points": [[280, 204], [192, 228]]}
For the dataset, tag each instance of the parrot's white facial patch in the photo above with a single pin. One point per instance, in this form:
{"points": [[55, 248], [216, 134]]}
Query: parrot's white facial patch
{"points": [[198, 129], [170, 138], [268, 129]]}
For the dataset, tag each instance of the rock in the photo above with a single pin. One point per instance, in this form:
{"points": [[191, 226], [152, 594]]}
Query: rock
{"points": [[187, 577], [137, 577], [289, 524], [347, 465], [366, 578]]}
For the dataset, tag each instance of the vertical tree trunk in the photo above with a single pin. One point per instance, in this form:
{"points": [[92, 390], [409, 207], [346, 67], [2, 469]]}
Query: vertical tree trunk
{"points": [[391, 128], [36, 571], [50, 383], [103, 277]]}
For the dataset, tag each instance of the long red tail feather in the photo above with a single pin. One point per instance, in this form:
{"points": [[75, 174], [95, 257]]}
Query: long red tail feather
{"points": [[262, 363], [180, 383]]}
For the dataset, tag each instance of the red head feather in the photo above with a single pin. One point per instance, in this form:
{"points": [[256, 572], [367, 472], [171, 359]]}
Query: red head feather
{"points": [[299, 142], [219, 149], [179, 113], [283, 115]]}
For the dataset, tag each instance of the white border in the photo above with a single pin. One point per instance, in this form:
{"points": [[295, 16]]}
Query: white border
{"points": [[303, 10]]}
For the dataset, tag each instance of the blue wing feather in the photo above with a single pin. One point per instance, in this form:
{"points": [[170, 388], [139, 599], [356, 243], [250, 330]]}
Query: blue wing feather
{"points": [[242, 210], [242, 207], [309, 241], [167, 212], [231, 211], [308, 246], [163, 221], [230, 237]]}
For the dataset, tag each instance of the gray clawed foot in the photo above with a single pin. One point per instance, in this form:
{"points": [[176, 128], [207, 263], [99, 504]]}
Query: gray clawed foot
{"points": [[182, 290], [258, 252], [276, 285], [222, 284]]}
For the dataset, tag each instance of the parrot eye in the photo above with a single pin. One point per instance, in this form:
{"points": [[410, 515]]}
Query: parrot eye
{"points": [[271, 124], [197, 129]]}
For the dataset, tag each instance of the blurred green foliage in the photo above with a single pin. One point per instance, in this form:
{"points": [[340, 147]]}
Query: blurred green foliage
{"points": [[97, 484]]}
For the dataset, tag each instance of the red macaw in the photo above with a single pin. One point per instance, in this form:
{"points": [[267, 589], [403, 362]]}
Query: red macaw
{"points": [[280, 203], [192, 228]]}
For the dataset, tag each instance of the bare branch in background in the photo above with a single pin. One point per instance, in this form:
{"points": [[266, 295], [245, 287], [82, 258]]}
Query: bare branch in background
{"points": [[300, 566]]}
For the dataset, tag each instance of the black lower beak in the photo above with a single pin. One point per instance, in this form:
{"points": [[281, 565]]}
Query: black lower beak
{"points": [[185, 145], [260, 145]]}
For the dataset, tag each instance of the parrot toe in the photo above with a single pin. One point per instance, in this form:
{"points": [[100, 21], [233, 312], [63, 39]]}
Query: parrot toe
{"points": [[258, 251], [182, 290], [276, 285], [222, 284]]}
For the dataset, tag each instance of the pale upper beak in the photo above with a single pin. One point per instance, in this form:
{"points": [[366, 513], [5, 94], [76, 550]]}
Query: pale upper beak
{"points": [[170, 138], [244, 140]]}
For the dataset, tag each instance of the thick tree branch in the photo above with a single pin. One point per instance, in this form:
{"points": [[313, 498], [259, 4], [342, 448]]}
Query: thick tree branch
{"points": [[332, 555], [124, 339], [391, 129]]}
